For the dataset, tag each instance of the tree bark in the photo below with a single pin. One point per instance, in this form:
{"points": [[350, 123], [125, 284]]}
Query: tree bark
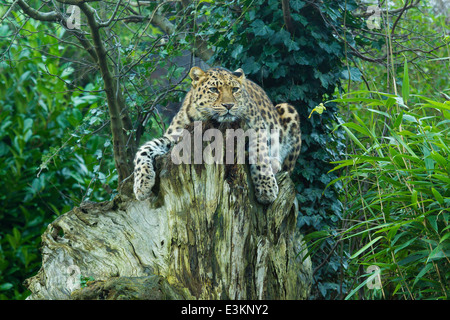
{"points": [[202, 235], [287, 16], [116, 105]]}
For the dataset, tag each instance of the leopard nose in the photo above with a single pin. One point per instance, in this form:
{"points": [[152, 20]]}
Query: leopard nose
{"points": [[228, 105]]}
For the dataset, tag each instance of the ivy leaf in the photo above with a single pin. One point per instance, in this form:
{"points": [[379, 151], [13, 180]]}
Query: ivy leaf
{"points": [[280, 72], [301, 58], [300, 18], [352, 73], [236, 53], [285, 37], [250, 65], [261, 29], [296, 5], [297, 92], [272, 65]]}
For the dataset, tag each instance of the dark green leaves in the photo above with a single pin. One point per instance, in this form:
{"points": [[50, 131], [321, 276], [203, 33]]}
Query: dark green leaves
{"points": [[46, 148], [296, 5], [260, 29]]}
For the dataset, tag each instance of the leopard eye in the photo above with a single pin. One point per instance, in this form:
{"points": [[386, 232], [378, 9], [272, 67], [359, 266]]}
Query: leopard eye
{"points": [[235, 89], [214, 90]]}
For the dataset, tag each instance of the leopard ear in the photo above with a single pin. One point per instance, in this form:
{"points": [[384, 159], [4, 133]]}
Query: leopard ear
{"points": [[196, 74], [239, 73]]}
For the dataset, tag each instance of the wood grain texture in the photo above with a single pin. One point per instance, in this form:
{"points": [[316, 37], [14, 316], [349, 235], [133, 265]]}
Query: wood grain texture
{"points": [[202, 233]]}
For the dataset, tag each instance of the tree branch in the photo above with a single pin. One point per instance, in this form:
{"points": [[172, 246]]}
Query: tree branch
{"points": [[399, 16], [201, 49], [107, 23], [56, 16], [35, 14], [115, 103], [287, 16], [395, 11], [76, 2]]}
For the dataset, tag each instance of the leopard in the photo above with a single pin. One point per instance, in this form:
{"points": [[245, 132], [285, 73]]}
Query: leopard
{"points": [[229, 96]]}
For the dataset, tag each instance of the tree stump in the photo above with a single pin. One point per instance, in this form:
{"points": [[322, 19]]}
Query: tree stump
{"points": [[202, 235]]}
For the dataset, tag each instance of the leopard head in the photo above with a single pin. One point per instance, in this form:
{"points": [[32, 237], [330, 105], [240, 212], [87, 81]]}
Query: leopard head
{"points": [[217, 93]]}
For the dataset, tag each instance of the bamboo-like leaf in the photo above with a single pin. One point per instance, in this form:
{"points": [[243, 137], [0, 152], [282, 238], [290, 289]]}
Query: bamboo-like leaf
{"points": [[316, 235], [365, 282], [371, 243], [400, 141], [435, 104], [405, 84], [432, 219], [438, 196], [387, 115], [439, 159], [414, 257], [441, 177], [358, 128], [398, 120], [414, 199], [336, 180], [360, 100], [404, 245], [353, 137], [422, 272], [447, 235]]}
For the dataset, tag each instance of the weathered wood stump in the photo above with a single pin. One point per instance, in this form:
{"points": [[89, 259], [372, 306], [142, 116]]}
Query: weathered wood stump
{"points": [[202, 235]]}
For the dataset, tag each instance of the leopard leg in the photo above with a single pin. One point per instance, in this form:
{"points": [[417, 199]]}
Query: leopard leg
{"points": [[266, 187], [265, 184], [144, 172], [291, 138]]}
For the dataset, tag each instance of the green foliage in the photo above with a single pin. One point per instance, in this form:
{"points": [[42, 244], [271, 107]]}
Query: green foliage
{"points": [[85, 280], [398, 186], [42, 127], [395, 175], [421, 37], [55, 139], [302, 68], [373, 190]]}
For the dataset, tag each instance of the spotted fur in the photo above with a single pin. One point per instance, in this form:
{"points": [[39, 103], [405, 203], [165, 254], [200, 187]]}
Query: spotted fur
{"points": [[227, 97]]}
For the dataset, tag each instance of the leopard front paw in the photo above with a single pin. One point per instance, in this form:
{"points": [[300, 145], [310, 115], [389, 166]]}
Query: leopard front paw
{"points": [[266, 194], [142, 193], [143, 184]]}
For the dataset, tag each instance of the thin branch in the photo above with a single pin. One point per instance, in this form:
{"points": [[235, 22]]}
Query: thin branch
{"points": [[57, 16], [116, 106], [200, 49], [76, 2], [35, 14], [146, 3], [69, 84], [113, 16], [135, 63], [399, 16], [8, 11], [395, 11]]}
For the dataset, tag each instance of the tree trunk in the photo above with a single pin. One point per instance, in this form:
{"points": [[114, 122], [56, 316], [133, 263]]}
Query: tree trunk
{"points": [[202, 235]]}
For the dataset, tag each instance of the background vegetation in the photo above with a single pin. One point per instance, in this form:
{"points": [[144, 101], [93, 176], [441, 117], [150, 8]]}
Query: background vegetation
{"points": [[395, 175], [373, 179]]}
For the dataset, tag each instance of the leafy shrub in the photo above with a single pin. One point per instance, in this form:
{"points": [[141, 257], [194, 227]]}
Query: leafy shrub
{"points": [[397, 182], [42, 127]]}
